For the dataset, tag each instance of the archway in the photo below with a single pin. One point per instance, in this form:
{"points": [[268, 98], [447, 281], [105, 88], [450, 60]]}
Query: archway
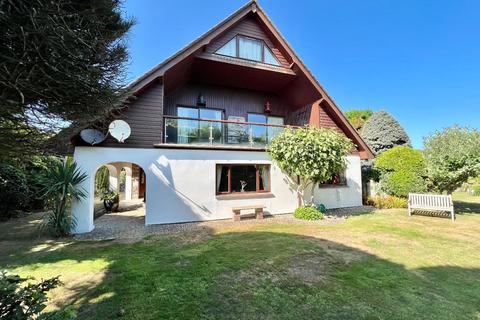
{"points": [[125, 181]]}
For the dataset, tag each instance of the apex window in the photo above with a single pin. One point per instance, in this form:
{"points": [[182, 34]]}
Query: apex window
{"points": [[249, 49], [242, 178]]}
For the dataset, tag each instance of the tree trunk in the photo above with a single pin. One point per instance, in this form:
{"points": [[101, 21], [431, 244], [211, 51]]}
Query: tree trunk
{"points": [[312, 195]]}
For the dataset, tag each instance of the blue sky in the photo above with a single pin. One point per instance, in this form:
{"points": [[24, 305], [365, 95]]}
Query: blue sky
{"points": [[418, 60]]}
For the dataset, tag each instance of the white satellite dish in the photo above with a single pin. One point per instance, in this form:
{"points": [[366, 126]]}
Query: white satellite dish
{"points": [[92, 136], [120, 130]]}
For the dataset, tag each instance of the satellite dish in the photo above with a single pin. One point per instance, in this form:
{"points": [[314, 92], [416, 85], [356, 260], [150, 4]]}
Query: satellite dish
{"points": [[120, 130], [92, 136]]}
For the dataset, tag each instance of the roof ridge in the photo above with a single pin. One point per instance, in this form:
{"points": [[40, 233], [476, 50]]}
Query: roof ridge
{"points": [[184, 48]]}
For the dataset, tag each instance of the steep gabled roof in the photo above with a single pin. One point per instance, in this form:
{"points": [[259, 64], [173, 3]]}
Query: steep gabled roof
{"points": [[252, 7]]}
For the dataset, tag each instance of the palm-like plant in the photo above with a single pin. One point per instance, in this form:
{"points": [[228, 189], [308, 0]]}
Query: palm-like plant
{"points": [[62, 182]]}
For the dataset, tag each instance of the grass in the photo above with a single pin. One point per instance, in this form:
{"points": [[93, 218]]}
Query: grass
{"points": [[383, 265]]}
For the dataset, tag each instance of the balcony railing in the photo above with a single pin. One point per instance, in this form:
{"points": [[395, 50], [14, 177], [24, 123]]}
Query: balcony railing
{"points": [[180, 130]]}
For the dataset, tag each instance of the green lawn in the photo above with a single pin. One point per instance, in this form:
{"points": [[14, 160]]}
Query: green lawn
{"points": [[383, 265]]}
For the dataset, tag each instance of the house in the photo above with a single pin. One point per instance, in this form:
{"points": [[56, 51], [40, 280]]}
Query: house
{"points": [[201, 119]]}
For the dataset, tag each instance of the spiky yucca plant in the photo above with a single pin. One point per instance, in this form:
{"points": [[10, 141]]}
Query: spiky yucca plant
{"points": [[63, 185]]}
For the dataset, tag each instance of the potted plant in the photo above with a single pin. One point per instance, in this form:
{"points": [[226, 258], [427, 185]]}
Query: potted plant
{"points": [[111, 199]]}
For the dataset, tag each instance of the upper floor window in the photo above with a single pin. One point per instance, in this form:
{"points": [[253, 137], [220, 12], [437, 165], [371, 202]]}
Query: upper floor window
{"points": [[248, 48]]}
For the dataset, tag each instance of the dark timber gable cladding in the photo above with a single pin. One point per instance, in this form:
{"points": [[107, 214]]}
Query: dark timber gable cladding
{"points": [[251, 28], [145, 117], [234, 101]]}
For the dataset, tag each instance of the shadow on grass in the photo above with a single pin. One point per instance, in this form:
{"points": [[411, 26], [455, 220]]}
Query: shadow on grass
{"points": [[258, 275], [466, 207], [429, 213]]}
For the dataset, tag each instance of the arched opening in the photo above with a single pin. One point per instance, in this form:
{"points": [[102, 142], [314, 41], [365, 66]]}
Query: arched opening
{"points": [[119, 190]]}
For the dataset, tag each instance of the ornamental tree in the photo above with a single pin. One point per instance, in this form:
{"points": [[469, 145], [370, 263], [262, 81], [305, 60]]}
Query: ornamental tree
{"points": [[310, 154], [382, 132], [402, 171], [452, 156]]}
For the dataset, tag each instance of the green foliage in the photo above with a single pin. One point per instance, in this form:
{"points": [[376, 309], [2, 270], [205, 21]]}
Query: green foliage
{"points": [[387, 202], [308, 213], [111, 195], [62, 61], [22, 300], [358, 117], [63, 180], [402, 183], [401, 159], [368, 171], [314, 155], [34, 170], [476, 191], [382, 132], [452, 156], [13, 190], [402, 171], [102, 180]]}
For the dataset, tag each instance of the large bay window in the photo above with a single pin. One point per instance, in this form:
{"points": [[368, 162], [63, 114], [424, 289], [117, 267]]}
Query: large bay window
{"points": [[249, 49], [242, 178]]}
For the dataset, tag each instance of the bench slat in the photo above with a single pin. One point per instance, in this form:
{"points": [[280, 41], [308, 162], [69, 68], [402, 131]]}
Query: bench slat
{"points": [[260, 206], [430, 202]]}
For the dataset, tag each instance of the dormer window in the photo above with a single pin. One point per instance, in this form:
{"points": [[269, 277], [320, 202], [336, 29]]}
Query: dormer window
{"points": [[248, 48]]}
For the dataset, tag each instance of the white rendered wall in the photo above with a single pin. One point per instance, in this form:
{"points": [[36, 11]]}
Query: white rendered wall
{"points": [[180, 184], [344, 196]]}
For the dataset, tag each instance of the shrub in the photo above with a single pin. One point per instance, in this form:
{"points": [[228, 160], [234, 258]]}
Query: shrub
{"points": [[13, 190], [402, 171], [34, 171], [382, 132], [402, 183], [21, 300], [308, 213], [476, 191], [387, 202], [63, 187], [452, 156]]}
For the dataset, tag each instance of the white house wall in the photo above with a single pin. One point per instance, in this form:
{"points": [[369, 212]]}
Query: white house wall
{"points": [[344, 196], [180, 184]]}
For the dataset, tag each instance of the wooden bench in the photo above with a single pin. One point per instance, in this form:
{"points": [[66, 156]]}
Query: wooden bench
{"points": [[258, 211], [431, 202]]}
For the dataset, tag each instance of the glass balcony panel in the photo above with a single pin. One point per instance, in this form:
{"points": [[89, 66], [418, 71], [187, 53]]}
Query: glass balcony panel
{"points": [[218, 132], [259, 135], [273, 131]]}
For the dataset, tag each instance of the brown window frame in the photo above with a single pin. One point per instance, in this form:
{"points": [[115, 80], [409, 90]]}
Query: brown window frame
{"points": [[237, 50], [257, 178]]}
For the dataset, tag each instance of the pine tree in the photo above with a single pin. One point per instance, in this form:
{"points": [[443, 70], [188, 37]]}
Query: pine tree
{"points": [[62, 62]]}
